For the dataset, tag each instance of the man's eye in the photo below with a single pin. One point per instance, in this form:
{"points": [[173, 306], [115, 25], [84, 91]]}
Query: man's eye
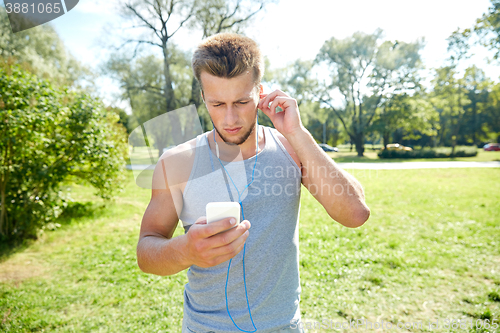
{"points": [[216, 105], [243, 102]]}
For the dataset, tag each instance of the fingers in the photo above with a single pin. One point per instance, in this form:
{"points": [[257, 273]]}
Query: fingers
{"points": [[210, 229], [230, 255], [221, 247], [283, 102], [230, 236], [264, 103], [237, 240]]}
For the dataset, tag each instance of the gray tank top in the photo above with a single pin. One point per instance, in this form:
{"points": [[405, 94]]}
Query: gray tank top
{"points": [[271, 204]]}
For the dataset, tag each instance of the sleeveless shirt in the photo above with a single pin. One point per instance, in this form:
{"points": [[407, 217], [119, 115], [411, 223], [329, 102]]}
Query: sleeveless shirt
{"points": [[271, 204]]}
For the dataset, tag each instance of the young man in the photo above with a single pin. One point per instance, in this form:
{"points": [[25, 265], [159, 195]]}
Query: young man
{"points": [[231, 290]]}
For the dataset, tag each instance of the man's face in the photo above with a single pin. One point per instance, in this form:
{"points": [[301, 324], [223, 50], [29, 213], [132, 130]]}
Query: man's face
{"points": [[232, 105]]}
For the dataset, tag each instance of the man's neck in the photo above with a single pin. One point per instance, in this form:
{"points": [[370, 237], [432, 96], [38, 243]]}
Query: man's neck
{"points": [[229, 152]]}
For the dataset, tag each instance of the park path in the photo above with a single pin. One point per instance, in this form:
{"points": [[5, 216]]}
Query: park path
{"points": [[388, 165], [419, 165]]}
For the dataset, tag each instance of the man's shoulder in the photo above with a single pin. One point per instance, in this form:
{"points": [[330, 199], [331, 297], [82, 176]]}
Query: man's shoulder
{"points": [[181, 153], [176, 163], [286, 144]]}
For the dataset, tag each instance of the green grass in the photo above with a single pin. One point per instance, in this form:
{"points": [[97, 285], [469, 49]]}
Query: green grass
{"points": [[142, 155], [430, 251]]}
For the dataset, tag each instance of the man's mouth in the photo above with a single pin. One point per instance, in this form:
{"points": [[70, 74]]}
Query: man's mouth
{"points": [[232, 130]]}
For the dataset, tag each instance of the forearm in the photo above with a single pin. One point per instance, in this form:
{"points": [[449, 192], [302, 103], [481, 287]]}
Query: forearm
{"points": [[338, 191], [161, 256]]}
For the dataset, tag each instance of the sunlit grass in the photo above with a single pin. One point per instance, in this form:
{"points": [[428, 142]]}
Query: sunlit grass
{"points": [[430, 250]]}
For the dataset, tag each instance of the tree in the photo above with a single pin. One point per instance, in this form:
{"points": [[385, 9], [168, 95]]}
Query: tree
{"points": [[363, 74], [449, 98], [47, 135], [413, 116], [159, 18], [41, 51], [141, 80], [215, 16], [297, 80], [488, 28], [478, 87], [493, 112]]}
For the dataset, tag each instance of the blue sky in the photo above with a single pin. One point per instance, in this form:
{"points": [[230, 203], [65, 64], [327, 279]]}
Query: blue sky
{"points": [[296, 29]]}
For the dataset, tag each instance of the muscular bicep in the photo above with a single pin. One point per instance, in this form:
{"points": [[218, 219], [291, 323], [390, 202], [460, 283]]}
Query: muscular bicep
{"points": [[289, 149], [162, 214]]}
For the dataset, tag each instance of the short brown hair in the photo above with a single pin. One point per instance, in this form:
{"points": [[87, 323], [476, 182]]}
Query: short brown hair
{"points": [[228, 55]]}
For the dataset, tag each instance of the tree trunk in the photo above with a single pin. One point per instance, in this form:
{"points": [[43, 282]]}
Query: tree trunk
{"points": [[161, 142], [358, 141], [195, 93], [441, 137], [474, 137], [168, 90], [385, 139], [169, 100], [461, 112]]}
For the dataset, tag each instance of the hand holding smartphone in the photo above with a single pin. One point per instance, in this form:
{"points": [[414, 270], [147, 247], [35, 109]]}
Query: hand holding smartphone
{"points": [[216, 211]]}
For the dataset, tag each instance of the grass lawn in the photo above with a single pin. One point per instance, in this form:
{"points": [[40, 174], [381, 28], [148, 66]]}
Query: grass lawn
{"points": [[430, 251]]}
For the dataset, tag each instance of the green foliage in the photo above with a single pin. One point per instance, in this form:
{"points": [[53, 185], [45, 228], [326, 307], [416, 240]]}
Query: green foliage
{"points": [[143, 85], [428, 153], [492, 122], [297, 81], [414, 115], [365, 73], [47, 135], [488, 28], [466, 106], [125, 119], [42, 51]]}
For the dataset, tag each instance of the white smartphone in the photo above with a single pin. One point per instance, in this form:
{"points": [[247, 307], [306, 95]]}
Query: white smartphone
{"points": [[220, 210]]}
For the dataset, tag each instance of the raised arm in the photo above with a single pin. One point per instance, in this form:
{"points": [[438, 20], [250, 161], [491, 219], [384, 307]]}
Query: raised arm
{"points": [[340, 193]]}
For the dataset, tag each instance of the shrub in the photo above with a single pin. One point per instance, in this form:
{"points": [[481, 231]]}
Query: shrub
{"points": [[429, 153], [46, 136]]}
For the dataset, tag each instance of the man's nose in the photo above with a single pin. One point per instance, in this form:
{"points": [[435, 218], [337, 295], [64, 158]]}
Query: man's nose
{"points": [[231, 116]]}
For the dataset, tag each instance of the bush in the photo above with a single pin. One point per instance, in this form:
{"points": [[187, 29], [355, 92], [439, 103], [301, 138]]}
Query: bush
{"points": [[46, 136], [443, 152]]}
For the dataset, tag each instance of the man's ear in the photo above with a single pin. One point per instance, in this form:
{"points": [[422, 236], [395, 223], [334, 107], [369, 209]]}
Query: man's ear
{"points": [[261, 91], [202, 96]]}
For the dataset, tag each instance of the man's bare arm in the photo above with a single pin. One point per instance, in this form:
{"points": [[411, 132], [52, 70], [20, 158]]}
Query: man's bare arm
{"points": [[158, 253], [340, 193]]}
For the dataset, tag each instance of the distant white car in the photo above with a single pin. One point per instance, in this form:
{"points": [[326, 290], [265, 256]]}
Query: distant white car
{"points": [[326, 147]]}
